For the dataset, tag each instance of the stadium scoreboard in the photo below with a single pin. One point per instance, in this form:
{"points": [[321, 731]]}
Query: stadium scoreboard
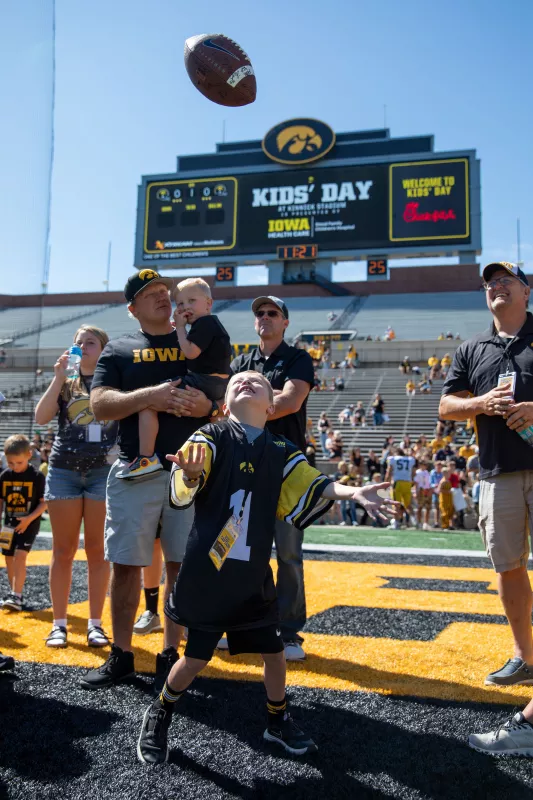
{"points": [[396, 205]]}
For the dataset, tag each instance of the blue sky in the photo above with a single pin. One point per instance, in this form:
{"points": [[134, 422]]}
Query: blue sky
{"points": [[125, 107]]}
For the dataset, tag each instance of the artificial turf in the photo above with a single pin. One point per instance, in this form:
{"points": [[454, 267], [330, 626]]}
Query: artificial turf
{"points": [[398, 649]]}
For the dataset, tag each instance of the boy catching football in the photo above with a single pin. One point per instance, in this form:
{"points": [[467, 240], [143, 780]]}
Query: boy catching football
{"points": [[241, 478]]}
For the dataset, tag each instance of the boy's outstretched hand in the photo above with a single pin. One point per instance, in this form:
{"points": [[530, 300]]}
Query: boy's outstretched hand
{"points": [[374, 504], [193, 465]]}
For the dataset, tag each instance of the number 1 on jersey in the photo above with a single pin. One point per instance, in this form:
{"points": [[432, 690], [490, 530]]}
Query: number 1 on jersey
{"points": [[240, 550]]}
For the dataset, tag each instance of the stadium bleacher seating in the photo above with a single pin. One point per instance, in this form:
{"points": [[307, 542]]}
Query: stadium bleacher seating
{"points": [[305, 313], [413, 416], [422, 316]]}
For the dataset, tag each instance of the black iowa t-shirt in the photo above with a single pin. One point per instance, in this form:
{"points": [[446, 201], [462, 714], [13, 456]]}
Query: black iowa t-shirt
{"points": [[21, 492], [136, 361], [209, 334]]}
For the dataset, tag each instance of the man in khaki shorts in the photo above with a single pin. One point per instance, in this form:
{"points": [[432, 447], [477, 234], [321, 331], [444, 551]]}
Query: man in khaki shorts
{"points": [[134, 372], [506, 471]]}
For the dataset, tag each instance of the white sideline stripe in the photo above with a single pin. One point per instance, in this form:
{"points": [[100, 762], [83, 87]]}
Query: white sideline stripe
{"points": [[46, 535], [403, 551], [350, 548]]}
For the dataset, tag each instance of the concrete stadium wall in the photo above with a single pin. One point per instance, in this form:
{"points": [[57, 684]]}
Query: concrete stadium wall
{"points": [[448, 278]]}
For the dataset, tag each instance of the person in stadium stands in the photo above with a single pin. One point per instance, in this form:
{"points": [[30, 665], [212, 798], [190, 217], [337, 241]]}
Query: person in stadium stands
{"points": [[323, 426], [207, 350], [290, 372], [378, 407], [424, 496], [506, 470], [410, 388], [345, 414], [372, 464], [351, 357], [356, 459], [216, 592], [438, 442], [22, 501], [336, 446], [75, 485], [421, 443], [358, 415], [400, 472], [132, 374], [445, 364], [435, 477], [446, 509], [405, 366]]}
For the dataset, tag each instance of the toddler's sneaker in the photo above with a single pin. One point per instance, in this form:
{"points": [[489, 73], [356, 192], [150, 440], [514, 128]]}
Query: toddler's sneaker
{"points": [[141, 466]]}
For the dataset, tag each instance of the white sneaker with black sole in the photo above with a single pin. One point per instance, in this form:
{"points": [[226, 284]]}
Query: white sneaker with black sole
{"points": [[513, 738], [148, 622], [13, 602], [294, 651]]}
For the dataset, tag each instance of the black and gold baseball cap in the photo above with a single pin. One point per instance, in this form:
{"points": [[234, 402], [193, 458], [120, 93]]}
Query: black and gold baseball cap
{"points": [[136, 283], [512, 269], [269, 298]]}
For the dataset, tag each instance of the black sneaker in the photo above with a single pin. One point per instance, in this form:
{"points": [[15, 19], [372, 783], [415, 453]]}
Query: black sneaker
{"points": [[291, 738], [152, 747], [118, 666], [6, 663], [163, 664]]}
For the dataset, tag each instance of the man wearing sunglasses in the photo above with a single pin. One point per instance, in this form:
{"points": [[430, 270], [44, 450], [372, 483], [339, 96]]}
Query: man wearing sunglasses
{"points": [[290, 371], [503, 355]]}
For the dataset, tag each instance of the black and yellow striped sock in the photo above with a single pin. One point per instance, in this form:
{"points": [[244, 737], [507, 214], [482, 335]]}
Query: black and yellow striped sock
{"points": [[168, 697], [276, 712]]}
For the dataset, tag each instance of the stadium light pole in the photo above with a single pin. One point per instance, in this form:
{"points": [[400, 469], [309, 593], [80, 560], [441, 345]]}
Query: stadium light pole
{"points": [[108, 269]]}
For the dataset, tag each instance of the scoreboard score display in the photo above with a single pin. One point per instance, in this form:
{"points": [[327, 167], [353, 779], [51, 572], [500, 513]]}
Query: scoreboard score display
{"points": [[364, 207]]}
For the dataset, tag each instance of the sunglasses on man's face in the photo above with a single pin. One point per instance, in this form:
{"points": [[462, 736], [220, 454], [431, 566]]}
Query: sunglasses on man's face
{"points": [[269, 313]]}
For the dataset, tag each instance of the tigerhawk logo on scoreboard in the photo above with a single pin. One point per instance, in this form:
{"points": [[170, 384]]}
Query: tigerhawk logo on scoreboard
{"points": [[345, 191]]}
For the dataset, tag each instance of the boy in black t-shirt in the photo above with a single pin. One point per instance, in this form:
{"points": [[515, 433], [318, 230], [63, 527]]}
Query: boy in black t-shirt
{"points": [[240, 477], [207, 351], [21, 493]]}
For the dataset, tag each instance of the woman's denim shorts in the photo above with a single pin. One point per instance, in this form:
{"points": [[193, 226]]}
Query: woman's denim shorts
{"points": [[69, 484]]}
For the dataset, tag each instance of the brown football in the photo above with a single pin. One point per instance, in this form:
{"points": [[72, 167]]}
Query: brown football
{"points": [[220, 69]]}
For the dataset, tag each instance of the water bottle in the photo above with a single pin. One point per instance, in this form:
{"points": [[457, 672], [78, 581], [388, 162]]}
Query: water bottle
{"points": [[73, 364], [527, 435]]}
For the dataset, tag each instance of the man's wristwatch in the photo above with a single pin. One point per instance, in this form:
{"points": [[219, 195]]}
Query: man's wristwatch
{"points": [[215, 410]]}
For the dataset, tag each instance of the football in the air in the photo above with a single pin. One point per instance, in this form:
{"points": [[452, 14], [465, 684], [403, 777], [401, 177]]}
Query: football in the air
{"points": [[220, 69]]}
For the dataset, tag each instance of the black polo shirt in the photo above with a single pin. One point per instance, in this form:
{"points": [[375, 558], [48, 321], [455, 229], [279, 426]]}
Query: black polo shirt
{"points": [[475, 368], [284, 364]]}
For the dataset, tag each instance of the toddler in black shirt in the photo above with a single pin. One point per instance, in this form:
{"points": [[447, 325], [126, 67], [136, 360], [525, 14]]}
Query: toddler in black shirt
{"points": [[22, 501], [207, 351]]}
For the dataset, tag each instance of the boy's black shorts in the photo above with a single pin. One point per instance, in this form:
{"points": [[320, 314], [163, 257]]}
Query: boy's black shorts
{"points": [[202, 644], [23, 541]]}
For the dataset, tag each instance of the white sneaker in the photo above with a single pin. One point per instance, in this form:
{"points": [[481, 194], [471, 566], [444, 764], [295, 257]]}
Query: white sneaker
{"points": [[513, 738], [394, 526], [294, 651], [222, 644], [342, 523], [148, 622], [426, 527]]}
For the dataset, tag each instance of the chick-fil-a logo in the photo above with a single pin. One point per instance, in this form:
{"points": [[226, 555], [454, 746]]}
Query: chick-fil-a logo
{"points": [[412, 214]]}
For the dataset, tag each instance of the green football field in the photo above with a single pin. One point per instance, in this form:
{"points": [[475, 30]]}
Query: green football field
{"points": [[380, 537]]}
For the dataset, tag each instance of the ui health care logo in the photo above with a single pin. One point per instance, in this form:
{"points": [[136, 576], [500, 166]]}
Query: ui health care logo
{"points": [[298, 141]]}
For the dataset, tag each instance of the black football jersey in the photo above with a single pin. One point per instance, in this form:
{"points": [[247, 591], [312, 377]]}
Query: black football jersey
{"points": [[275, 480]]}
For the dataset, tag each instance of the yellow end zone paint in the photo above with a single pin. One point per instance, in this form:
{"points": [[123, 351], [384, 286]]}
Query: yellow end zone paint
{"points": [[452, 666]]}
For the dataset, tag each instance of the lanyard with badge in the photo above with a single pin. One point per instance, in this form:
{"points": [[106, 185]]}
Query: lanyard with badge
{"points": [[233, 528], [93, 431], [508, 379]]}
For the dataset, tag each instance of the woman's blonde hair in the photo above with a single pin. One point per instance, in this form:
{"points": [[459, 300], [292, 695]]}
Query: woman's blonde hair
{"points": [[76, 386]]}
